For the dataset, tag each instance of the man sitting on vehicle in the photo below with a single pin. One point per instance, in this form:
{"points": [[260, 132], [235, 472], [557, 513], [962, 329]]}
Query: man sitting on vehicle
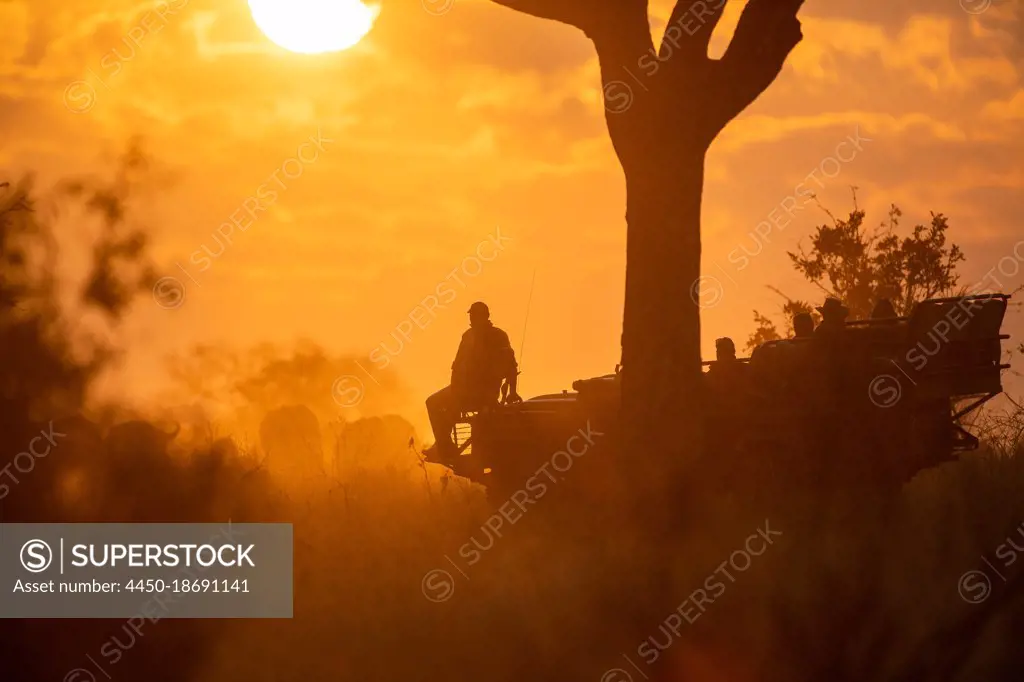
{"points": [[833, 319], [803, 325], [728, 391], [726, 372], [884, 310], [485, 365]]}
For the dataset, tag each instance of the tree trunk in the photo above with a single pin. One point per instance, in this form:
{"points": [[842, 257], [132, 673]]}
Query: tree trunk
{"points": [[661, 359], [661, 137]]}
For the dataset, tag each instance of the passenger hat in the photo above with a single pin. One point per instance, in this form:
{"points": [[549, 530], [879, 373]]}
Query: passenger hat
{"points": [[833, 305]]}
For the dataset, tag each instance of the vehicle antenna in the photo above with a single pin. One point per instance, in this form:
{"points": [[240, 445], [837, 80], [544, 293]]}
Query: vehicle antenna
{"points": [[529, 301]]}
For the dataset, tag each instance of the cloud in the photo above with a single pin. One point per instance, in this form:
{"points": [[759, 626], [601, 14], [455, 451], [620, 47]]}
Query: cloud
{"points": [[14, 20], [448, 125], [1006, 110], [923, 49]]}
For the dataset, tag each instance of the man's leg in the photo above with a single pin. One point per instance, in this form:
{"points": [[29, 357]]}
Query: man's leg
{"points": [[442, 411]]}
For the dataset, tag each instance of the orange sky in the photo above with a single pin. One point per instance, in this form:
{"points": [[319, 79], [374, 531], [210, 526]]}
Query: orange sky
{"points": [[438, 130]]}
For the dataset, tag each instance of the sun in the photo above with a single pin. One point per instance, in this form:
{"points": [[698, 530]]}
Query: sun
{"points": [[313, 26]]}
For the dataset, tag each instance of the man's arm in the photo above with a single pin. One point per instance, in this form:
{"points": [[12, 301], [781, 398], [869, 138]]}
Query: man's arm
{"points": [[512, 382], [511, 370], [460, 354]]}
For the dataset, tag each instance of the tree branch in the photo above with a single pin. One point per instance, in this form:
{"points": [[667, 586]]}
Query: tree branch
{"points": [[619, 29], [621, 33], [767, 32], [689, 30], [599, 20]]}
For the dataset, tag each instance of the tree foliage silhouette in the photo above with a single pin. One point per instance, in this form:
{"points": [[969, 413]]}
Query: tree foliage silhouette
{"points": [[848, 261], [57, 358], [52, 355], [766, 329], [661, 140]]}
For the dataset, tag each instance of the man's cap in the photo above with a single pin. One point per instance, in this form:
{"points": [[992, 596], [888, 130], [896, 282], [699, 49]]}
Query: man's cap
{"points": [[833, 305], [481, 308], [725, 342]]}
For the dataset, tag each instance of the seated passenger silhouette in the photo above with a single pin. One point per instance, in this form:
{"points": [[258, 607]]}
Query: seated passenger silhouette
{"points": [[884, 310], [484, 361], [803, 326], [728, 390], [834, 374], [726, 369], [725, 352], [886, 334], [833, 318]]}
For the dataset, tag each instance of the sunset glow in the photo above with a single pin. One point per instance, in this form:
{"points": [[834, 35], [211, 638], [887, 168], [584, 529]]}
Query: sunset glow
{"points": [[610, 340], [455, 124]]}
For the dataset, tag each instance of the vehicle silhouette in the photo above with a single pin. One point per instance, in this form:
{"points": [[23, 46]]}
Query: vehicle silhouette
{"points": [[870, 406]]}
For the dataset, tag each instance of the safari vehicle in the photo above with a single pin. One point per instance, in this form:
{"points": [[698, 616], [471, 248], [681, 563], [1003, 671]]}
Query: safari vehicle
{"points": [[876, 408]]}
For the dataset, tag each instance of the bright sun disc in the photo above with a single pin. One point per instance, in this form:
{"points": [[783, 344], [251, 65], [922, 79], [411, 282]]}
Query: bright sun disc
{"points": [[312, 26]]}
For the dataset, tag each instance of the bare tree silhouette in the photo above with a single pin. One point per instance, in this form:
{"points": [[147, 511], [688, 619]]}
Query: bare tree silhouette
{"points": [[661, 139]]}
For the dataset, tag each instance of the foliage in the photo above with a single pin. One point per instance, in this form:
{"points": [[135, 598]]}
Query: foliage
{"points": [[859, 266], [120, 269], [58, 357], [767, 331], [50, 362]]}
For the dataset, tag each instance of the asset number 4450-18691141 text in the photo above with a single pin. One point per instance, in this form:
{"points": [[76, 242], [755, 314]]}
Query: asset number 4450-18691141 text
{"points": [[158, 585]]}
